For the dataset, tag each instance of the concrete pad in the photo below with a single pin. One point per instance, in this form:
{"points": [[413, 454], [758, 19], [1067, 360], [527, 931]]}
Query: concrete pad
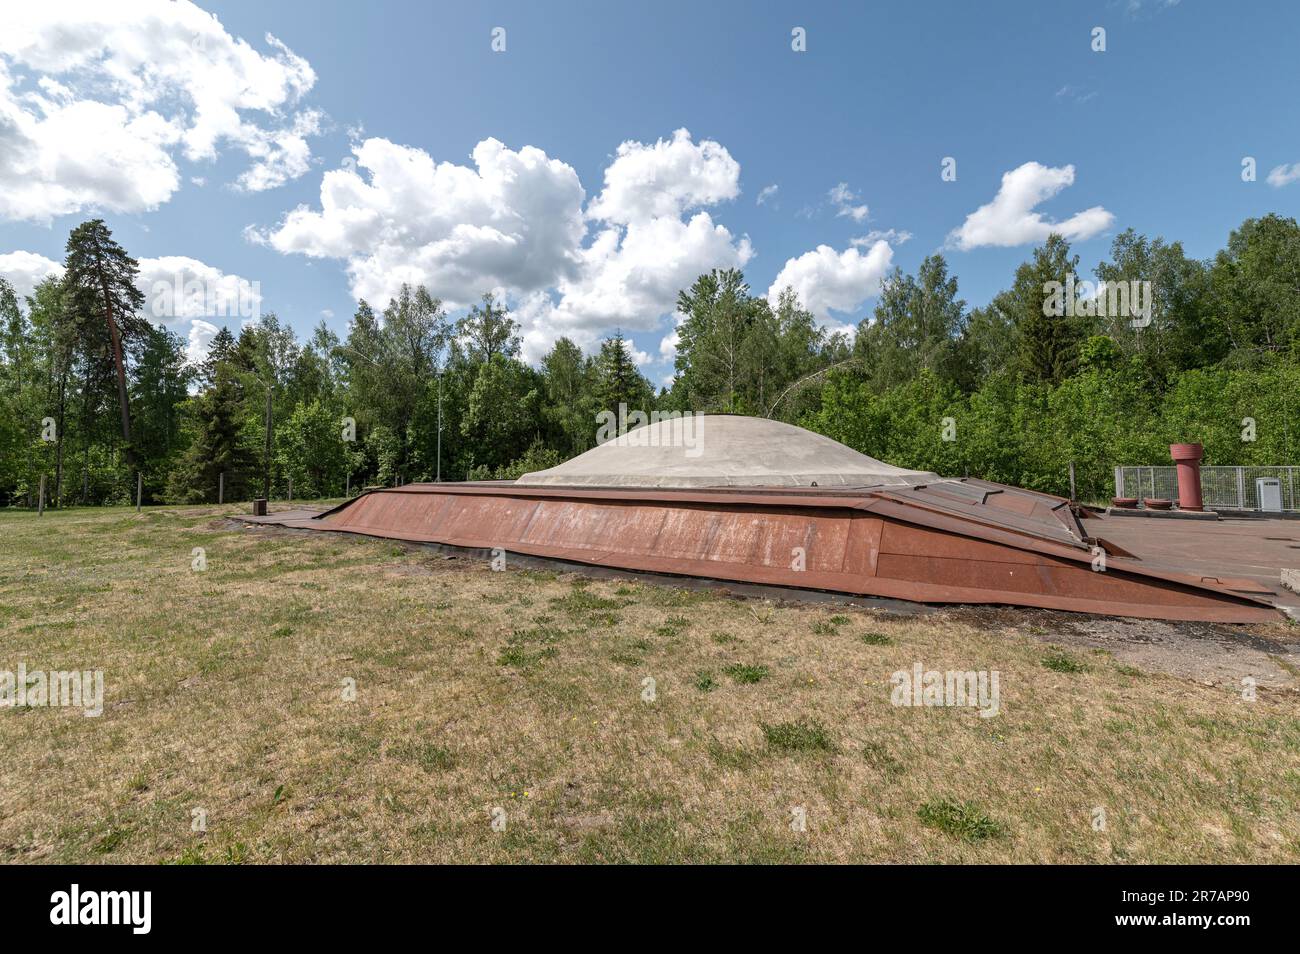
{"points": [[1258, 549]]}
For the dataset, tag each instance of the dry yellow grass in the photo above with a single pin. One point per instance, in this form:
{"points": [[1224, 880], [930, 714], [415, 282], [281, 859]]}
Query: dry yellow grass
{"points": [[524, 691]]}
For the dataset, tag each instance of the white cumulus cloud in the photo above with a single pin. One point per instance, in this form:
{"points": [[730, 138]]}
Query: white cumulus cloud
{"points": [[516, 221], [1010, 218], [25, 270], [181, 293], [393, 215], [826, 280], [180, 288], [98, 100], [647, 250], [665, 179]]}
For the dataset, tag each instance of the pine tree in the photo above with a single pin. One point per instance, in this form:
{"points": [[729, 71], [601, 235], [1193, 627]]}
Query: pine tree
{"points": [[99, 278]]}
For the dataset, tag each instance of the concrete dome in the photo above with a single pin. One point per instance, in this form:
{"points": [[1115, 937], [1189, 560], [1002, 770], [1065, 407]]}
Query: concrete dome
{"points": [[722, 450]]}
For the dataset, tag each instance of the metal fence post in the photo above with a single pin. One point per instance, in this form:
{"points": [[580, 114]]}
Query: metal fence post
{"points": [[139, 489], [221, 487], [1241, 488], [1119, 481], [40, 501]]}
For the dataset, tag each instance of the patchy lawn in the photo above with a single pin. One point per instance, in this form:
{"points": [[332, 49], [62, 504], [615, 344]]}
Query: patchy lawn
{"points": [[591, 720]]}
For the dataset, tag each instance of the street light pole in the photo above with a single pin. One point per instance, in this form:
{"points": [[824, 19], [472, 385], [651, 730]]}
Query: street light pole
{"points": [[438, 477]]}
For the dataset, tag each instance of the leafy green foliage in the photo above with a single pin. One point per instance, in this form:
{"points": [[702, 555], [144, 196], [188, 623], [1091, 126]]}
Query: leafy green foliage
{"points": [[1058, 660], [964, 820], [746, 675], [1003, 391], [802, 735]]}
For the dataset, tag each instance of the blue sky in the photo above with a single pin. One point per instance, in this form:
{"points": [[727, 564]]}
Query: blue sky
{"points": [[1155, 129]]}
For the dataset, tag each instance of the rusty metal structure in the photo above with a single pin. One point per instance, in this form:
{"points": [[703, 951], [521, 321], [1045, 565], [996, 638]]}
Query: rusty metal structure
{"points": [[907, 536]]}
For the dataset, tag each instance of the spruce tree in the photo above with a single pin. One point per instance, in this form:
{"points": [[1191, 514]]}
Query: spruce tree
{"points": [[216, 448], [617, 379], [1049, 344]]}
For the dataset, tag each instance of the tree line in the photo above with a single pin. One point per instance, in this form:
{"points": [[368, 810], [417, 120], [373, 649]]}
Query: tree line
{"points": [[92, 392]]}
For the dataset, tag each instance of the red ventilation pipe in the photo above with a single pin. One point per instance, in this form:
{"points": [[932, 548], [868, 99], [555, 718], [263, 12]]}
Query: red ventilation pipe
{"points": [[1188, 459]]}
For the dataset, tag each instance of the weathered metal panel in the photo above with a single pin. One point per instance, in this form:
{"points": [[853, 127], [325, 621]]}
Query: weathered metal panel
{"points": [[960, 542], [950, 542]]}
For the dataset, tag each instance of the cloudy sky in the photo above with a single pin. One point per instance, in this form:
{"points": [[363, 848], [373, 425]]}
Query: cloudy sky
{"points": [[588, 160]]}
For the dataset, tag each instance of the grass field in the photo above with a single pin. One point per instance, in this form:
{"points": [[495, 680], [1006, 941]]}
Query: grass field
{"points": [[521, 697]]}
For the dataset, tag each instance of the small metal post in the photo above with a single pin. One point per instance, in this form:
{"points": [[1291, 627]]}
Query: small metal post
{"points": [[1119, 481], [1241, 488], [290, 488], [347, 487], [221, 487], [139, 489], [1072, 481], [40, 501]]}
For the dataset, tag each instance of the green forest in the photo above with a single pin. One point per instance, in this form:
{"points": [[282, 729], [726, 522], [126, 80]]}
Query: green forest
{"points": [[92, 392]]}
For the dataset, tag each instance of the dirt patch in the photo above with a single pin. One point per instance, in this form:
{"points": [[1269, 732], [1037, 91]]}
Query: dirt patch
{"points": [[1210, 653]]}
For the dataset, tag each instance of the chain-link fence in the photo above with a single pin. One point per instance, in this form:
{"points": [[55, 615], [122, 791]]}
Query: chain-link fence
{"points": [[1222, 488]]}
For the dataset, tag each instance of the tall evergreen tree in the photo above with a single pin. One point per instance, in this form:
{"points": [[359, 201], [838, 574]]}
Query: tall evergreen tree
{"points": [[220, 348], [100, 281], [617, 379], [217, 445], [1049, 344], [161, 382]]}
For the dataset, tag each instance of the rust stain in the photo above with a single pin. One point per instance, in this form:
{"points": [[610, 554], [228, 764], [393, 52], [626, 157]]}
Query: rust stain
{"points": [[950, 541]]}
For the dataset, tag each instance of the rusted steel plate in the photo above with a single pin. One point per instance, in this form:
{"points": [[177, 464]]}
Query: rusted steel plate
{"points": [[962, 542]]}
